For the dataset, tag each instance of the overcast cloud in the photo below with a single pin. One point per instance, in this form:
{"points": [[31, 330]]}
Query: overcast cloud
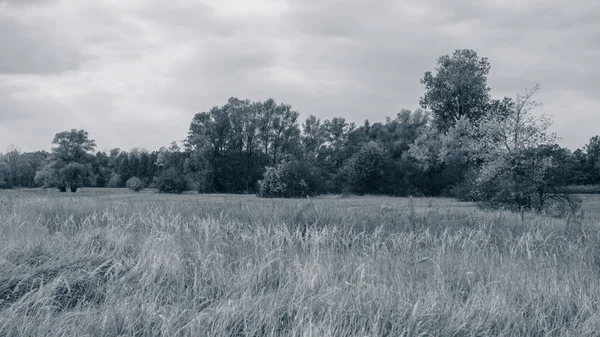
{"points": [[134, 72]]}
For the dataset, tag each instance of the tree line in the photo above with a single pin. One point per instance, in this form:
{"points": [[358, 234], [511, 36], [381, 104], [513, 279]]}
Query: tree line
{"points": [[461, 142]]}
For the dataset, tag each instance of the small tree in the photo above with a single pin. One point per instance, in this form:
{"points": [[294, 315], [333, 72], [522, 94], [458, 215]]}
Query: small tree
{"points": [[135, 184], [272, 185], [519, 160]]}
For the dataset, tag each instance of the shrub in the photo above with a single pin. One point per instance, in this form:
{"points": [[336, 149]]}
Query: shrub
{"points": [[135, 184], [290, 179], [524, 180], [170, 181]]}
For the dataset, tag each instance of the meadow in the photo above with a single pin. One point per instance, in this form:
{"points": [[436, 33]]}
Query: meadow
{"points": [[108, 262]]}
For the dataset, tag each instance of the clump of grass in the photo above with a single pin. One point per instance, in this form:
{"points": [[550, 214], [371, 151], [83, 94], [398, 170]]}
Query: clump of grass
{"points": [[60, 286]]}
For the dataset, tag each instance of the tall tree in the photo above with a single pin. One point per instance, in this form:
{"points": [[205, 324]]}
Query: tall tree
{"points": [[101, 173], [31, 162], [458, 88], [4, 172], [15, 166], [313, 139]]}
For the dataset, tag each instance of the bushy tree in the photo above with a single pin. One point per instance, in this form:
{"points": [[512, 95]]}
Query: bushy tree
{"points": [[518, 159], [273, 184], [135, 184], [290, 179], [528, 180], [171, 181], [74, 174], [50, 175], [69, 164]]}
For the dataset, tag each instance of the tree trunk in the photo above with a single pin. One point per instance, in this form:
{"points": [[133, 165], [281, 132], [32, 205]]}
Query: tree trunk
{"points": [[73, 188], [541, 196]]}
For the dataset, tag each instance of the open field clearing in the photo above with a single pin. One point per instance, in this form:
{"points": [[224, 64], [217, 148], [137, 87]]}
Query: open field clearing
{"points": [[116, 263]]}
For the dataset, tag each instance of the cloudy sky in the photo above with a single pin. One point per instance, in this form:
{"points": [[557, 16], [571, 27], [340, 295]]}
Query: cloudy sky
{"points": [[134, 72]]}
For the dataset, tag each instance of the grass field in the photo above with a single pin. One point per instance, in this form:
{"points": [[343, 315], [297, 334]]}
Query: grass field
{"points": [[116, 263]]}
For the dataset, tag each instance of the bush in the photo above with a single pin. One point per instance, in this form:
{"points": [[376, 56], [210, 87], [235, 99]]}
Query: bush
{"points": [[290, 179], [135, 184], [527, 179], [170, 181]]}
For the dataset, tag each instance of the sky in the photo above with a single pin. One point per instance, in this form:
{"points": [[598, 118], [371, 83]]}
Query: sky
{"points": [[134, 72]]}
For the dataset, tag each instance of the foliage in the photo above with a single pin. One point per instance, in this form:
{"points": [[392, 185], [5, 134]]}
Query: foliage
{"points": [[461, 143], [18, 169], [587, 162], [171, 181], [580, 189], [69, 163], [458, 88], [74, 173], [290, 179], [200, 171], [518, 158], [115, 181], [4, 174], [368, 170], [49, 176], [170, 164], [135, 184], [230, 146]]}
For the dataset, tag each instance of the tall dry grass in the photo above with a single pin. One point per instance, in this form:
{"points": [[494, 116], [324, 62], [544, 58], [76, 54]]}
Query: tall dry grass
{"points": [[157, 265]]}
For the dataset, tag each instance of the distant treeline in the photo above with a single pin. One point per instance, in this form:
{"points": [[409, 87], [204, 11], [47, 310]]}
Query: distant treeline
{"points": [[461, 142]]}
